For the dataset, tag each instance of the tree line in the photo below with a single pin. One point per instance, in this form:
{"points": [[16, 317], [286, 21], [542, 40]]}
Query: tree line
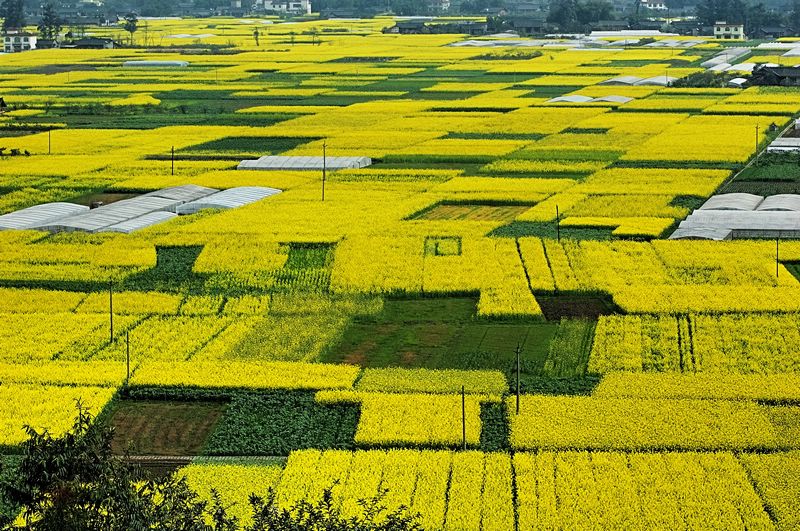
{"points": [[75, 483]]}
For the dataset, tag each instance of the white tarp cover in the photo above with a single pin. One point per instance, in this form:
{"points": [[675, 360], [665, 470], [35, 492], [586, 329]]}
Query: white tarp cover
{"points": [[277, 162], [231, 198], [737, 201], [157, 64], [36, 215]]}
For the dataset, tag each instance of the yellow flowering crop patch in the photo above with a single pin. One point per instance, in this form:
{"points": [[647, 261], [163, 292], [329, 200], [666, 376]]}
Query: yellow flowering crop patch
{"points": [[549, 422], [247, 375], [426, 420], [45, 407]]}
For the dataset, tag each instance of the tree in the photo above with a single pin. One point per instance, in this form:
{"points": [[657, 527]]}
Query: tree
{"points": [[794, 16], [74, 483], [593, 11], [131, 24], [13, 13], [50, 25], [712, 11], [564, 13]]}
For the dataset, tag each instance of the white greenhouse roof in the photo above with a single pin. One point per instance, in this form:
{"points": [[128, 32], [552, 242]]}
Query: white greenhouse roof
{"points": [[729, 55], [185, 193], [121, 216], [97, 219], [613, 99], [743, 221], [660, 81], [743, 216], [781, 202], [778, 45], [720, 67], [784, 144], [36, 215], [142, 222], [575, 98], [743, 202], [158, 64], [672, 43], [231, 198], [742, 67], [700, 233], [276, 162], [632, 33], [621, 80], [578, 98], [495, 44]]}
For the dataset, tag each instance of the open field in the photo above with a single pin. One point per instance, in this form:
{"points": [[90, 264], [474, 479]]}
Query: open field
{"points": [[499, 243]]}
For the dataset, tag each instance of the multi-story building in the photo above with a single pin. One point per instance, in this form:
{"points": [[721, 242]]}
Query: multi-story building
{"points": [[298, 7], [18, 41], [654, 5], [726, 31]]}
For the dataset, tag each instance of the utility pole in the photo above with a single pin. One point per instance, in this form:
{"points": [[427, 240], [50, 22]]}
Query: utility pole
{"points": [[558, 225], [757, 153], [324, 165], [777, 256], [464, 417], [128, 356], [111, 310], [518, 351], [49, 142], [173, 160]]}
